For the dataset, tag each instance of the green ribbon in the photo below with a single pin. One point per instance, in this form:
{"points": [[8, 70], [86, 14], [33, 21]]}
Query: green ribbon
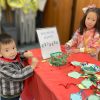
{"points": [[58, 59]]}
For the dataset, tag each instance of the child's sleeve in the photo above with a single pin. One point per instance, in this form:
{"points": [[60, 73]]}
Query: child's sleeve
{"points": [[73, 40], [9, 72]]}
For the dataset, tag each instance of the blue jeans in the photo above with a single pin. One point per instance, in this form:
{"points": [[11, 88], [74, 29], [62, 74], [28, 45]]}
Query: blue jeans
{"points": [[15, 98]]}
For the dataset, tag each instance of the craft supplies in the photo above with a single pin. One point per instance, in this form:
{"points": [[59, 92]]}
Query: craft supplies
{"points": [[74, 74], [58, 59], [93, 97], [78, 95]]}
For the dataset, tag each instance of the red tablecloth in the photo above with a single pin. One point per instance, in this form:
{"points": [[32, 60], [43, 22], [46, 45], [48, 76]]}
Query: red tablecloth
{"points": [[53, 83]]}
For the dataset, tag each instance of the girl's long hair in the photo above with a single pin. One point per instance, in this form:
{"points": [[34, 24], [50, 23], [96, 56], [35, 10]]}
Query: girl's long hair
{"points": [[97, 25]]}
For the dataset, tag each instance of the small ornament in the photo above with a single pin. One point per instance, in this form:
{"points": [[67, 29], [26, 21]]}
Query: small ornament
{"points": [[98, 93], [90, 68], [98, 88], [98, 84], [92, 78]]}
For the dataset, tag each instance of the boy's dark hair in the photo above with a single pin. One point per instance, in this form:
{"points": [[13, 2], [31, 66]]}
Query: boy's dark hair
{"points": [[5, 38], [97, 25]]}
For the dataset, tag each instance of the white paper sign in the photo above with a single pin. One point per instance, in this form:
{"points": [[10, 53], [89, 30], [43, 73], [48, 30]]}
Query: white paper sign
{"points": [[49, 41]]}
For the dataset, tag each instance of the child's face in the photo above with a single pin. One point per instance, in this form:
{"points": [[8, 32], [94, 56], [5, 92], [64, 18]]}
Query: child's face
{"points": [[91, 20], [8, 50]]}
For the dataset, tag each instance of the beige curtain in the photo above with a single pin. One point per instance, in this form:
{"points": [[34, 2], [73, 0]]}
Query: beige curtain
{"points": [[25, 24]]}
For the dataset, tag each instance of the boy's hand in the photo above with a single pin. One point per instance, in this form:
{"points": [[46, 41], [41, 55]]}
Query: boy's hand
{"points": [[28, 54], [34, 62]]}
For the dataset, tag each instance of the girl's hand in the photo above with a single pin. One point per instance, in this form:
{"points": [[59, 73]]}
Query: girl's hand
{"points": [[28, 54], [71, 51], [67, 47], [75, 50]]}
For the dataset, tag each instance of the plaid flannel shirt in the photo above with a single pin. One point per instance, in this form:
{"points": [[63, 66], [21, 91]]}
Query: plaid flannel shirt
{"points": [[12, 75]]}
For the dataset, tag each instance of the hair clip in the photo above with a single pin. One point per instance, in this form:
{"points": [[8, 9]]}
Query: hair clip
{"points": [[86, 8]]}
